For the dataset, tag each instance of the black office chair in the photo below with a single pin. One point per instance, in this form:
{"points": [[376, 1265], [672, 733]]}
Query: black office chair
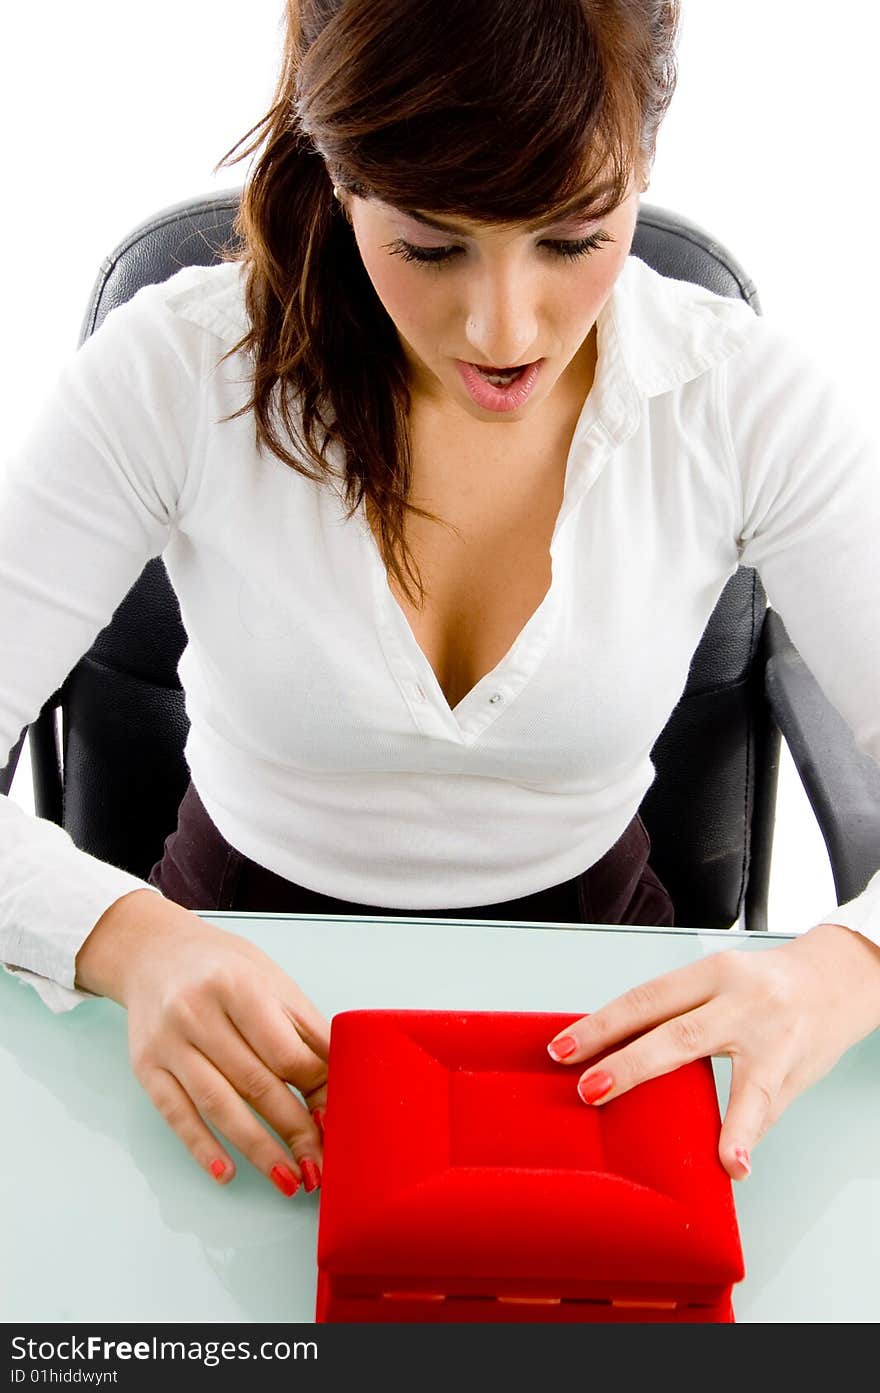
{"points": [[114, 774]]}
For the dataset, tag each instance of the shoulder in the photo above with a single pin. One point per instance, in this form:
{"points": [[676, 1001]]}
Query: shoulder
{"points": [[180, 326], [673, 331], [211, 297], [768, 381]]}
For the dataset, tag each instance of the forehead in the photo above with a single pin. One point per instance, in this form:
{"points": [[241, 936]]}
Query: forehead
{"points": [[471, 229], [584, 211]]}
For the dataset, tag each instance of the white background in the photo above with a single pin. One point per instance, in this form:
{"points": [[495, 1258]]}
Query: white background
{"points": [[111, 112]]}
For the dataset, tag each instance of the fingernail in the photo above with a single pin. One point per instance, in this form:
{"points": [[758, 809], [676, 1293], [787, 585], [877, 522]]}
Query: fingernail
{"points": [[318, 1115], [595, 1086], [218, 1168], [284, 1178], [563, 1047], [311, 1173], [743, 1157]]}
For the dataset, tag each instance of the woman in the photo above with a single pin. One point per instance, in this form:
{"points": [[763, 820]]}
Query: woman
{"points": [[417, 462]]}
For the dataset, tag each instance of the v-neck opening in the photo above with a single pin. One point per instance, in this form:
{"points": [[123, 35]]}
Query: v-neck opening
{"points": [[492, 693], [490, 696], [509, 656]]}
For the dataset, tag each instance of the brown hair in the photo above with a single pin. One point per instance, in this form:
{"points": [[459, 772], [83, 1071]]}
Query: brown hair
{"points": [[492, 110]]}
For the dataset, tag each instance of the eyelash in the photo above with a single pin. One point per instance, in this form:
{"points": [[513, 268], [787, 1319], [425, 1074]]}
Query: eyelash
{"points": [[438, 256]]}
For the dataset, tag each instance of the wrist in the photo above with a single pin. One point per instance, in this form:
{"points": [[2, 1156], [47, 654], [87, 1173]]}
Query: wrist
{"points": [[112, 947], [849, 962]]}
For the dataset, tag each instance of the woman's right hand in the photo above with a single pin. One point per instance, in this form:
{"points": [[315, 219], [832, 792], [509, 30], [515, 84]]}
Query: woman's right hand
{"points": [[214, 1024]]}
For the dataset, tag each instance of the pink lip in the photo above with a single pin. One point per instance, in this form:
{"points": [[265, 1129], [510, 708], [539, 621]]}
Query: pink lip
{"points": [[499, 398]]}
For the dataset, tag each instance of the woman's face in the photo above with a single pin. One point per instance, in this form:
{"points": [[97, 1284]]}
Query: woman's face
{"points": [[495, 296]]}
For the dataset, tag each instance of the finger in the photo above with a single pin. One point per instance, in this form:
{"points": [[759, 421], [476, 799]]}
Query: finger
{"points": [[316, 1102], [637, 1010], [273, 1031], [218, 1039], [690, 1036], [754, 1102], [311, 1026], [218, 1103], [303, 1014], [177, 1108], [280, 1047]]}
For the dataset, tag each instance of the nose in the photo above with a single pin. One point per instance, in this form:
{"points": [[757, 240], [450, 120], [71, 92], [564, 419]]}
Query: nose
{"points": [[502, 316]]}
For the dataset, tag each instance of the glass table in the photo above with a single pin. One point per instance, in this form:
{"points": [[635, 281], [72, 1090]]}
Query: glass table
{"points": [[106, 1217]]}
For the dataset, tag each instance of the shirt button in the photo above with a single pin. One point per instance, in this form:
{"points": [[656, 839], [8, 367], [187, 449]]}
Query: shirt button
{"points": [[495, 698], [420, 695]]}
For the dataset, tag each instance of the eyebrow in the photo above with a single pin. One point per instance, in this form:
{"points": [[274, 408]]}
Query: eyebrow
{"points": [[459, 231]]}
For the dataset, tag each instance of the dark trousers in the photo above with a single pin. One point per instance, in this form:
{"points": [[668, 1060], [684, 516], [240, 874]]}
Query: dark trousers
{"points": [[200, 870]]}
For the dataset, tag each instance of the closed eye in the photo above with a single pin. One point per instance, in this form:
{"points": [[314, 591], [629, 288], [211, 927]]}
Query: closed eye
{"points": [[438, 256]]}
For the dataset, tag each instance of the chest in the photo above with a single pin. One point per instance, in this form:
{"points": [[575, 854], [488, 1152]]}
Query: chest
{"points": [[486, 567], [300, 653]]}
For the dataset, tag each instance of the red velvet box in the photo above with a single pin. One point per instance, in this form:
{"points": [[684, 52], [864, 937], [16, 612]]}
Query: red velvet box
{"points": [[464, 1180]]}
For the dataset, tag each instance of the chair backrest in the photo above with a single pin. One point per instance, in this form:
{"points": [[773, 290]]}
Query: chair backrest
{"points": [[709, 811]]}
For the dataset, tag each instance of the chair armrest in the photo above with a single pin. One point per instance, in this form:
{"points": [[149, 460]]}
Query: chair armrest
{"points": [[841, 782]]}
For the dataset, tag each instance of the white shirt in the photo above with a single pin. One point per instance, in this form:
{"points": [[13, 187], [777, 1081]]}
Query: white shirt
{"points": [[321, 743]]}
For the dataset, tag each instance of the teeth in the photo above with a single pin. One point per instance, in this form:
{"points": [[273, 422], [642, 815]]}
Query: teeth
{"points": [[500, 379]]}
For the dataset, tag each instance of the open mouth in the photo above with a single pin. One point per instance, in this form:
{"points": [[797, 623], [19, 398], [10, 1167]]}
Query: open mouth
{"points": [[500, 389]]}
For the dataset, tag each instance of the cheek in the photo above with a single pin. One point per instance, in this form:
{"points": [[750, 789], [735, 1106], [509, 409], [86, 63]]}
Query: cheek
{"points": [[587, 291], [404, 299]]}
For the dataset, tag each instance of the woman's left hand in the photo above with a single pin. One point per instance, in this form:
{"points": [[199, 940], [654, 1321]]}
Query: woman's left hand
{"points": [[784, 1016]]}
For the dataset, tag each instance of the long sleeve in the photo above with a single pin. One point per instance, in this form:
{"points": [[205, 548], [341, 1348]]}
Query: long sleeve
{"points": [[90, 497], [810, 481]]}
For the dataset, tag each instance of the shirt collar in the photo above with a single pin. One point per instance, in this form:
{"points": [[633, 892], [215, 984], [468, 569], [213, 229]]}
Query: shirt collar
{"points": [[213, 297], [655, 334]]}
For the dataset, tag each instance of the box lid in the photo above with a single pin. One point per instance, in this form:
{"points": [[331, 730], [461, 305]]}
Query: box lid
{"points": [[458, 1156]]}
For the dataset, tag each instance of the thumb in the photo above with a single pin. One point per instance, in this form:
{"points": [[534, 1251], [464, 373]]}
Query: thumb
{"points": [[747, 1118]]}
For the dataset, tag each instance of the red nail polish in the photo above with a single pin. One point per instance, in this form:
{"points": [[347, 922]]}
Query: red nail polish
{"points": [[284, 1178], [318, 1114], [743, 1157], [311, 1173], [563, 1047], [218, 1168], [595, 1086]]}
